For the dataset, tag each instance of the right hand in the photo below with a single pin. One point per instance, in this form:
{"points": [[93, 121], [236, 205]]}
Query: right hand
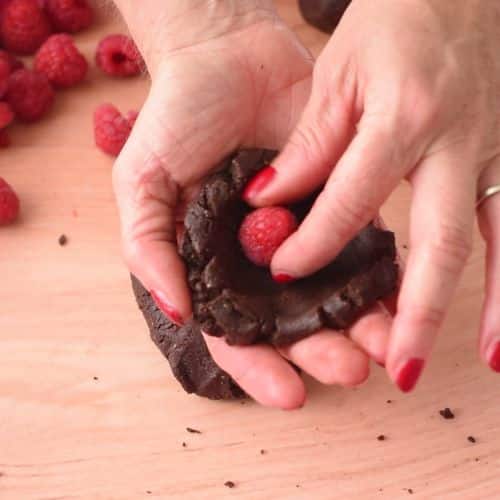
{"points": [[241, 81]]}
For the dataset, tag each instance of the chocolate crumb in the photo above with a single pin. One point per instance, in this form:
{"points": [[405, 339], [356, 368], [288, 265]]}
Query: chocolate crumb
{"points": [[405, 247], [229, 484], [381, 437], [471, 439], [63, 239], [389, 401], [447, 414], [297, 485], [410, 491], [96, 378], [184, 445], [148, 492], [262, 452], [476, 459], [193, 431]]}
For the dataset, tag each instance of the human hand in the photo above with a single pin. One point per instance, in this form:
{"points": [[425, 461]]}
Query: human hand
{"points": [[235, 78], [402, 90]]}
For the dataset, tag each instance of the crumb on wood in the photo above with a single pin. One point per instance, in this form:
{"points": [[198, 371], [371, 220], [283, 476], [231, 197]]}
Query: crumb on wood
{"points": [[193, 431], [229, 484], [381, 437], [63, 240], [471, 439], [447, 414]]}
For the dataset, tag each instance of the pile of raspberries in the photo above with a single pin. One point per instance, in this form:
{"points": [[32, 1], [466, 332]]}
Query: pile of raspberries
{"points": [[43, 29]]}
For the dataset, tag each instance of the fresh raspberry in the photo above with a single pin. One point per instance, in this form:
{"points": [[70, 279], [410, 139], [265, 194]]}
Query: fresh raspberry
{"points": [[24, 26], [30, 95], [263, 231], [117, 55], [62, 63], [4, 139], [111, 129], [69, 16], [131, 117], [9, 204], [13, 63], [4, 77], [6, 115]]}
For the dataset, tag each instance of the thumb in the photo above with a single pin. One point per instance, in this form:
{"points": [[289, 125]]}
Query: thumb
{"points": [[314, 147], [147, 198]]}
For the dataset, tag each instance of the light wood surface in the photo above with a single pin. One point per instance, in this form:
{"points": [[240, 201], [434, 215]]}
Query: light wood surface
{"points": [[89, 409]]}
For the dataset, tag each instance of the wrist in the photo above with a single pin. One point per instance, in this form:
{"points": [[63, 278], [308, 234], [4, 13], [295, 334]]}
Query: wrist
{"points": [[160, 27]]}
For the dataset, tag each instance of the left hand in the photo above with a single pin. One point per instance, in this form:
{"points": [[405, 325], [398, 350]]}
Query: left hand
{"points": [[403, 90]]}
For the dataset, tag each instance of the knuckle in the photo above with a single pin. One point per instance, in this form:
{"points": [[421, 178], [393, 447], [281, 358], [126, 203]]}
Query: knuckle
{"points": [[451, 246], [426, 318]]}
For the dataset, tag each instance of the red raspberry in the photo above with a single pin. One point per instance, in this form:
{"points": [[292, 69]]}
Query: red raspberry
{"points": [[4, 139], [9, 204], [111, 129], [263, 231], [69, 16], [4, 77], [117, 55], [13, 63], [6, 115], [30, 95], [24, 26], [60, 61]]}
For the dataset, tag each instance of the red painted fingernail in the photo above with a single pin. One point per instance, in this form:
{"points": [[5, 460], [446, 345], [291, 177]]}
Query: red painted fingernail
{"points": [[166, 308], [283, 278], [409, 374], [495, 358], [258, 183]]}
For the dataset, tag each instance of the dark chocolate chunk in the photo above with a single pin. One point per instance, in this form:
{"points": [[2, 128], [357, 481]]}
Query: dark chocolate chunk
{"points": [[447, 414], [229, 484], [240, 301], [323, 14], [471, 439], [193, 431], [381, 437], [63, 239], [186, 351]]}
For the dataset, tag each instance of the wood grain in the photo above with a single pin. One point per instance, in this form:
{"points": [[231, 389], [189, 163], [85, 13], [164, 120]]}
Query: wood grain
{"points": [[89, 410]]}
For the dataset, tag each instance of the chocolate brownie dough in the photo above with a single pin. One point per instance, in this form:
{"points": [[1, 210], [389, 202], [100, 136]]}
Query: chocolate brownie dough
{"points": [[186, 351], [323, 14], [240, 301]]}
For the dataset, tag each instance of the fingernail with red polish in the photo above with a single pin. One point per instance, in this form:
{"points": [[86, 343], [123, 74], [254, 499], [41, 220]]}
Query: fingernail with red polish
{"points": [[258, 183], [495, 358], [166, 308], [409, 374], [283, 278]]}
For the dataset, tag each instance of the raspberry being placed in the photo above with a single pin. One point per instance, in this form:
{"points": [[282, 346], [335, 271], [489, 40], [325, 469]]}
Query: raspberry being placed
{"points": [[60, 61], [69, 16], [9, 204], [13, 63], [117, 55], [6, 115], [111, 129], [24, 26], [263, 231], [29, 94]]}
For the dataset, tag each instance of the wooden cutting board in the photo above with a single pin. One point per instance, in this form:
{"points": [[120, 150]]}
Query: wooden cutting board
{"points": [[89, 410]]}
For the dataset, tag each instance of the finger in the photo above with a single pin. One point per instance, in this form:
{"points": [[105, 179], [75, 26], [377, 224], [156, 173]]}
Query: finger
{"points": [[317, 142], [441, 223], [363, 179], [489, 215], [331, 358], [147, 198], [261, 372], [372, 331]]}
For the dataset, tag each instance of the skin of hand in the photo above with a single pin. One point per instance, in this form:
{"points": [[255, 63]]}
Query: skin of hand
{"points": [[403, 90], [235, 76]]}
